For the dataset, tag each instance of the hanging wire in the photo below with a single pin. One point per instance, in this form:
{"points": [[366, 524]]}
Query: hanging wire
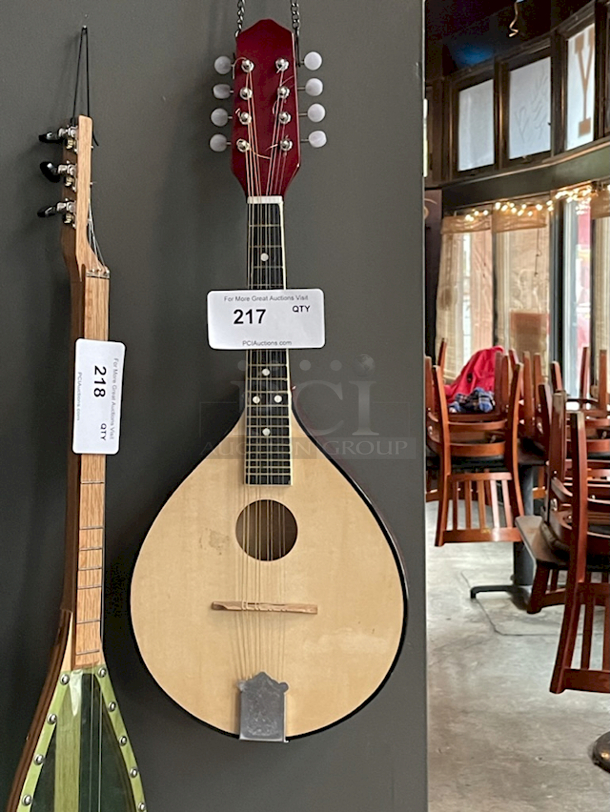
{"points": [[83, 45], [296, 21], [513, 30]]}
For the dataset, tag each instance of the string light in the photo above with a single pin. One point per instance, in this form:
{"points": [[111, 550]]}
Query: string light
{"points": [[580, 194]]}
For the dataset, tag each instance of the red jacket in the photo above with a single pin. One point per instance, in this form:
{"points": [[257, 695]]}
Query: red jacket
{"points": [[478, 371]]}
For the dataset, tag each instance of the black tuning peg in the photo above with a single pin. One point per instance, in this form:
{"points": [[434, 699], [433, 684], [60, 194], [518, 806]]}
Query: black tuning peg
{"points": [[64, 207], [47, 211], [51, 137], [50, 171]]}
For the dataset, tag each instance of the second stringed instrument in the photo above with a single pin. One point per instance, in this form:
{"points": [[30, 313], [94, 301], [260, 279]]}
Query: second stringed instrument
{"points": [[78, 756], [268, 598]]}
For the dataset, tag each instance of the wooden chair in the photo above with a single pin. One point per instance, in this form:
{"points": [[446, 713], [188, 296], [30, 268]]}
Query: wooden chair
{"points": [[584, 379], [602, 381], [432, 459], [586, 535], [593, 399], [442, 355], [546, 588], [527, 422], [476, 459]]}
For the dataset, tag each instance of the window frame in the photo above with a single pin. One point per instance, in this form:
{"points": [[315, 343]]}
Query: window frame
{"points": [[532, 52], [462, 80], [577, 22]]}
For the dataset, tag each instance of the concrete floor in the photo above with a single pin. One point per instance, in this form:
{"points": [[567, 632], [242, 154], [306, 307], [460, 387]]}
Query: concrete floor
{"points": [[499, 741]]}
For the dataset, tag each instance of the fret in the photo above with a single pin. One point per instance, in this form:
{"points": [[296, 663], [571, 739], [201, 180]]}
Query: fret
{"points": [[268, 469], [267, 459], [271, 406], [267, 378], [273, 479], [271, 420]]}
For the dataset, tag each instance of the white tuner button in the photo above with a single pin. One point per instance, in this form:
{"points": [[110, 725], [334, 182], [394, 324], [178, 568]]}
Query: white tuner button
{"points": [[313, 87], [220, 117], [218, 143], [223, 64], [312, 60], [317, 138], [221, 91], [316, 113]]}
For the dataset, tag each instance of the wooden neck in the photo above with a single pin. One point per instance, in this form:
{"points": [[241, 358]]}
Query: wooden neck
{"points": [[86, 509], [268, 443], [85, 519]]}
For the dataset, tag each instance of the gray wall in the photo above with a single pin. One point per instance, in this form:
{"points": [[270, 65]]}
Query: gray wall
{"points": [[170, 220]]}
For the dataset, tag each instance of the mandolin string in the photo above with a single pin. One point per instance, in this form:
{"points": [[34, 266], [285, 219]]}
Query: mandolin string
{"points": [[248, 445], [256, 563], [282, 283], [254, 359], [276, 445], [243, 567]]}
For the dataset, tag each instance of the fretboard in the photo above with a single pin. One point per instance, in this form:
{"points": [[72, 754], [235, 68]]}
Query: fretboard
{"points": [[89, 498], [268, 443]]}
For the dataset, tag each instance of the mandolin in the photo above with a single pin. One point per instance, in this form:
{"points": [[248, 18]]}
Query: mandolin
{"points": [[78, 757], [268, 599]]}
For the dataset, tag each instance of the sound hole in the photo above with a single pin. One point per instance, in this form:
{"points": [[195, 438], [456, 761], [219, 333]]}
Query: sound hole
{"points": [[266, 530]]}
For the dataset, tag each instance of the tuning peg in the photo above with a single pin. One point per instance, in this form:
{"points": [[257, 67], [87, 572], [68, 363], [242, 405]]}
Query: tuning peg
{"points": [[219, 117], [316, 113], [51, 137], [55, 173], [62, 134], [317, 138], [218, 143], [313, 87], [221, 91], [312, 60], [223, 64], [65, 207]]}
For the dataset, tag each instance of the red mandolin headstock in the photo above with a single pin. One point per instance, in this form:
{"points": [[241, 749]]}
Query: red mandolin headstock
{"points": [[265, 148]]}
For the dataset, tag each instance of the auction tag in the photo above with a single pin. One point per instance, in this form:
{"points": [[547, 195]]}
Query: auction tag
{"points": [[98, 381], [266, 319]]}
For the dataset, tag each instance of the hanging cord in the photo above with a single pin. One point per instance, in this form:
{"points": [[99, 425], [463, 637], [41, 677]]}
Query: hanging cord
{"points": [[84, 41], [513, 23], [296, 21]]}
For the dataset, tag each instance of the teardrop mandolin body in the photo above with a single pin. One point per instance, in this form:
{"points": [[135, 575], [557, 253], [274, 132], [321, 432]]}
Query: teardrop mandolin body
{"points": [[305, 585], [268, 599]]}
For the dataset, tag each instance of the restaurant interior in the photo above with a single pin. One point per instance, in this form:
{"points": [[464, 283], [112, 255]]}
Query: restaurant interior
{"points": [[517, 376]]}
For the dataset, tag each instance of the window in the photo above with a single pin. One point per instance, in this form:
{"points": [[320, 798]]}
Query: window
{"points": [[580, 115], [465, 289], [529, 122], [521, 248], [577, 289], [476, 126]]}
